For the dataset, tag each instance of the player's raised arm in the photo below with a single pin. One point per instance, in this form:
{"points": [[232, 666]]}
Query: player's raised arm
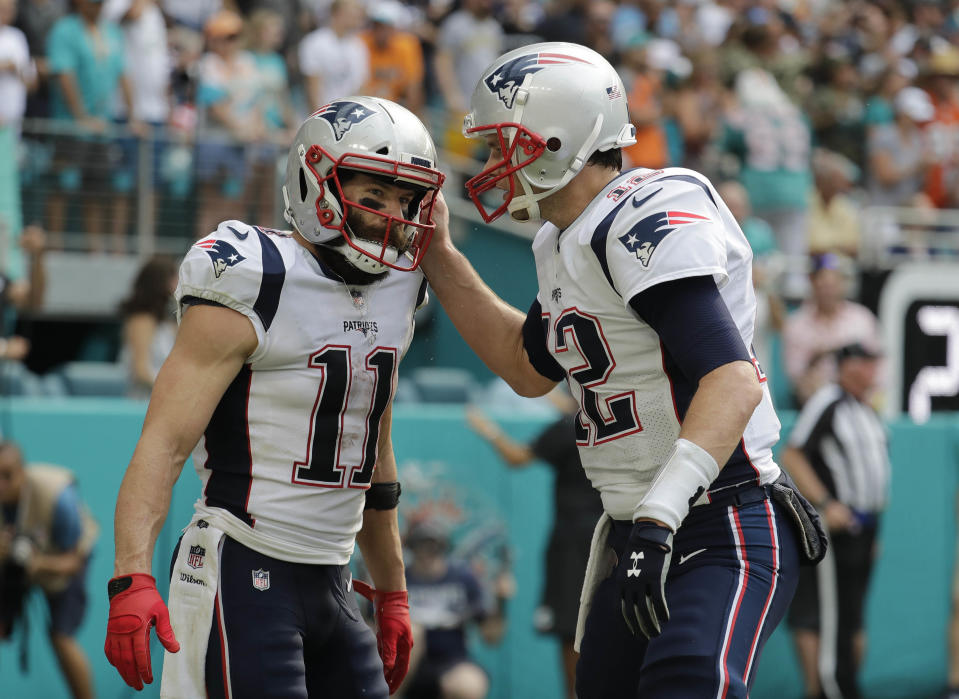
{"points": [[489, 325], [211, 346]]}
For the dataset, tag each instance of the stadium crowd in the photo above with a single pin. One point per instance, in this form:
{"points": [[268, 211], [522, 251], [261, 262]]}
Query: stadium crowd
{"points": [[815, 106], [804, 113]]}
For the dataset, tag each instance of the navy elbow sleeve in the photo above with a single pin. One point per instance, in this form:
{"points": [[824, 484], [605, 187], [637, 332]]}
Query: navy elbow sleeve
{"points": [[693, 323]]}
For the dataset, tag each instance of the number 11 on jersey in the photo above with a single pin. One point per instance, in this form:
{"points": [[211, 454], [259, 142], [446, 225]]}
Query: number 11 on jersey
{"points": [[322, 466]]}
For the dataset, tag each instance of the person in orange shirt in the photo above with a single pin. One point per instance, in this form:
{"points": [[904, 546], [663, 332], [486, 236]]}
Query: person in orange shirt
{"points": [[939, 79], [396, 58]]}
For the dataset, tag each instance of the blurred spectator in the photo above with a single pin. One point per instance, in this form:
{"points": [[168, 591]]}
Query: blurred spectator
{"points": [[149, 327], [469, 40], [899, 153], [276, 105], [696, 101], [396, 58], [838, 456], [827, 321], [679, 21], [86, 59], [22, 294], [36, 18], [598, 35], [149, 67], [644, 84], [576, 508], [833, 215], [519, 20], [565, 20], [333, 59], [759, 38], [230, 119], [941, 79], [770, 136], [446, 598], [46, 540], [192, 14], [837, 110], [767, 270], [147, 57], [17, 75], [879, 109]]}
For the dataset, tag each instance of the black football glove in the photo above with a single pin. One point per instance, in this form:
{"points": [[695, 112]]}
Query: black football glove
{"points": [[642, 577]]}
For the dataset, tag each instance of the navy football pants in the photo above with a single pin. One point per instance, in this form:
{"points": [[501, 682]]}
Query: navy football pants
{"points": [[302, 637], [733, 573]]}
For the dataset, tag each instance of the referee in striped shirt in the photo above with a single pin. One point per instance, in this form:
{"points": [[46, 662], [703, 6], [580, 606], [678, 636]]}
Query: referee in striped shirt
{"points": [[837, 454]]}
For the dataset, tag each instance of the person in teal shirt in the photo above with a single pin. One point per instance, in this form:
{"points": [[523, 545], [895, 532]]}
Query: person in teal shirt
{"points": [[86, 60]]}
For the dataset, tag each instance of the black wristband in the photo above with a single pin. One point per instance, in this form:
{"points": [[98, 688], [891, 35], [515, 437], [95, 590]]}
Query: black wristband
{"points": [[118, 585], [383, 496]]}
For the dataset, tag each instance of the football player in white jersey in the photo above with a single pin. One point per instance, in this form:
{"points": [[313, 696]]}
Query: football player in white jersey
{"points": [[646, 308], [281, 383]]}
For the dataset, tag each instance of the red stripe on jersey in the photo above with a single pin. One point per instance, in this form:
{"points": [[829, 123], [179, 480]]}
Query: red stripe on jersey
{"points": [[686, 214]]}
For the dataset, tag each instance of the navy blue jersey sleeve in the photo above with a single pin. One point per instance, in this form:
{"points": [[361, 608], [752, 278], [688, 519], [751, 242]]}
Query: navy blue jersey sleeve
{"points": [[693, 323], [534, 340]]}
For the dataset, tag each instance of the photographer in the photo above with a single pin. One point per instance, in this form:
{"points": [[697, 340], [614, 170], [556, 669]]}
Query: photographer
{"points": [[45, 541]]}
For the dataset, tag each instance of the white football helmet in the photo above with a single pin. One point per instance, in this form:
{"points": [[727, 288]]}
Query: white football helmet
{"points": [[372, 136], [551, 106]]}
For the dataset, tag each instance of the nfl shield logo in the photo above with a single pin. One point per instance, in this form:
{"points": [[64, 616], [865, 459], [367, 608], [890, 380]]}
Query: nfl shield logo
{"points": [[195, 559], [261, 579]]}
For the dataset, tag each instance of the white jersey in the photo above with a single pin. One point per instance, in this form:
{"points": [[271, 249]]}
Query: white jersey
{"points": [[644, 228], [289, 453]]}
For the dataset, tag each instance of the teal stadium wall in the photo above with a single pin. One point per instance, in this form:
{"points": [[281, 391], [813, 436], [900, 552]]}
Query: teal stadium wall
{"points": [[907, 610]]}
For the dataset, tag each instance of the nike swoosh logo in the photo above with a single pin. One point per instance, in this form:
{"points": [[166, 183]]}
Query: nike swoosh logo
{"points": [[241, 236], [637, 202], [683, 559]]}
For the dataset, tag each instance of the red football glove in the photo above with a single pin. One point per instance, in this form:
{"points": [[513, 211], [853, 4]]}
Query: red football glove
{"points": [[394, 635], [135, 606]]}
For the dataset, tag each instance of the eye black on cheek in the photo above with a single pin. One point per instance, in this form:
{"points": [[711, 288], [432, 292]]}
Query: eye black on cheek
{"points": [[371, 203]]}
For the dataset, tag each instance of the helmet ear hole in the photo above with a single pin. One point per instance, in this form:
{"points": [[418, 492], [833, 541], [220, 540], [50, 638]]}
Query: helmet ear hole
{"points": [[303, 188], [385, 150], [553, 144]]}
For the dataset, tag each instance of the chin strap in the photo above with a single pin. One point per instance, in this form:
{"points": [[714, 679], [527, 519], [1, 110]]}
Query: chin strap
{"points": [[529, 200]]}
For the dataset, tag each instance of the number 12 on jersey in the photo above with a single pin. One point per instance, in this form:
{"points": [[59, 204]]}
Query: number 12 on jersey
{"points": [[599, 420], [322, 466]]}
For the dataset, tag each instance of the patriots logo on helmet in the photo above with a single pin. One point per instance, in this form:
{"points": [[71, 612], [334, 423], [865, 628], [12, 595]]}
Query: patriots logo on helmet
{"points": [[343, 115], [643, 238], [222, 254], [507, 79]]}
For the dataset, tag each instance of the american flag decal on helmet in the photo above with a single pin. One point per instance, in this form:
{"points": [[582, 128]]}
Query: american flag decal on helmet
{"points": [[614, 92], [507, 79]]}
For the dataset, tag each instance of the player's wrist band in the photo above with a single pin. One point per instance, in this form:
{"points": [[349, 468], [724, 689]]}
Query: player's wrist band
{"points": [[383, 496], [688, 472]]}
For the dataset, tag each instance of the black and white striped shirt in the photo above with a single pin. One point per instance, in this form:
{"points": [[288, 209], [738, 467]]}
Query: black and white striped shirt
{"points": [[845, 442]]}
